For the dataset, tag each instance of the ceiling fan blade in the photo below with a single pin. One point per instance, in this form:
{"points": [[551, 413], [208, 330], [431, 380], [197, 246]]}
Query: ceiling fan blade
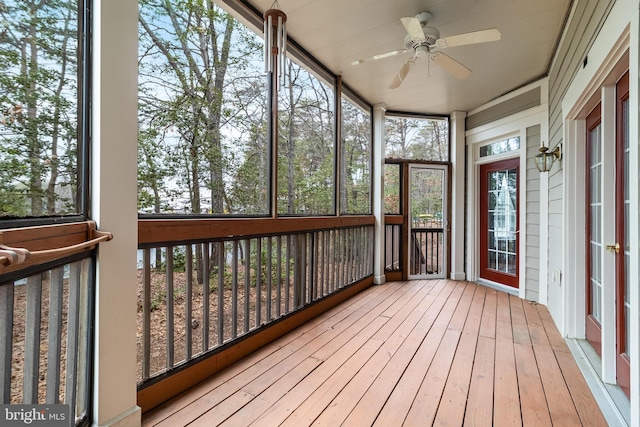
{"points": [[413, 27], [454, 68], [482, 36], [402, 74], [379, 56]]}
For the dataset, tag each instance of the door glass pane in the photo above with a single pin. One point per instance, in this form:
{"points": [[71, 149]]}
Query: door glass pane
{"points": [[502, 220], [626, 244], [595, 234], [427, 192]]}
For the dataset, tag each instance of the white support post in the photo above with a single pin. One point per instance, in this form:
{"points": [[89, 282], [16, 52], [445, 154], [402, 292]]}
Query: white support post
{"points": [[457, 225], [378, 193], [114, 208]]}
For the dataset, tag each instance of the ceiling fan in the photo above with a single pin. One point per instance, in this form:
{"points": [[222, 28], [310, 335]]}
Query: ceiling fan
{"points": [[421, 39]]}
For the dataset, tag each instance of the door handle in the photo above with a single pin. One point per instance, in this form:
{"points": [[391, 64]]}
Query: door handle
{"points": [[613, 248]]}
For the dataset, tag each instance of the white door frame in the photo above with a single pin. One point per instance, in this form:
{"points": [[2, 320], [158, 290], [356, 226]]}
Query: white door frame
{"points": [[515, 125]]}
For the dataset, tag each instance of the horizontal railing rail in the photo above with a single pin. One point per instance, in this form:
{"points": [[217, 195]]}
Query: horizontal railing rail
{"points": [[233, 277]]}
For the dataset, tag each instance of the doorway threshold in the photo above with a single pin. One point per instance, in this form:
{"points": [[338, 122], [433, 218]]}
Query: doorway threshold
{"points": [[612, 401], [499, 287]]}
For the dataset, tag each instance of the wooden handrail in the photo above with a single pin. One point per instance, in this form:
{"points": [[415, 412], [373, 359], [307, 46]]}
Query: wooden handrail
{"points": [[9, 255], [160, 231], [103, 236], [13, 257]]}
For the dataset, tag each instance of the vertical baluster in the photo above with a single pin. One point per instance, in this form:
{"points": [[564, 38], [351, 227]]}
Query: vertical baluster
{"points": [[347, 255], [189, 302], [170, 309], [304, 269], [54, 336], [6, 339], [365, 252], [364, 256], [344, 241], [206, 290], [332, 261], [287, 274], [327, 262], [342, 246], [269, 278], [354, 248], [146, 313], [221, 265], [296, 272], [73, 326], [310, 266], [352, 254], [441, 247], [279, 276], [358, 247], [362, 252], [234, 291], [321, 261], [32, 340], [84, 382], [394, 248], [316, 236], [300, 270], [371, 249], [247, 283], [258, 281]]}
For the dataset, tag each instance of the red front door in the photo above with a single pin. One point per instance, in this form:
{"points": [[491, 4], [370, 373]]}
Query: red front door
{"points": [[594, 243], [499, 222], [622, 235]]}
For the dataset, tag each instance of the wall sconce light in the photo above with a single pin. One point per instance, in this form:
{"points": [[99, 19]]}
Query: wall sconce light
{"points": [[545, 159]]}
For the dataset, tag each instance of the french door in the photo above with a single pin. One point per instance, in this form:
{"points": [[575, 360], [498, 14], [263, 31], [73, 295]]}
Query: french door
{"points": [[598, 214], [594, 240], [623, 258], [499, 225]]}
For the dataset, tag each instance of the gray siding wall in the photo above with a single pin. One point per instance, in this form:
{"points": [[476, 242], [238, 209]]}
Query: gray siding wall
{"points": [[532, 266], [514, 105], [581, 30]]}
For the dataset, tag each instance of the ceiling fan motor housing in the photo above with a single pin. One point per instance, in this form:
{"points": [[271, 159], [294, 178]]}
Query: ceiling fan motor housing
{"points": [[431, 34]]}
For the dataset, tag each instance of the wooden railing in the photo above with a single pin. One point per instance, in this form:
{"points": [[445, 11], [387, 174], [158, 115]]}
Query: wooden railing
{"points": [[393, 247], [47, 283], [425, 250], [428, 257], [204, 284]]}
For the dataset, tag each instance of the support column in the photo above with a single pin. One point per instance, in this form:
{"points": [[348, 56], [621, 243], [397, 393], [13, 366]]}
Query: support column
{"points": [[114, 208], [457, 225], [378, 193]]}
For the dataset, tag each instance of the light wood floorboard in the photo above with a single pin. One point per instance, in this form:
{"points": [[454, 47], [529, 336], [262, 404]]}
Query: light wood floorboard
{"points": [[416, 353]]}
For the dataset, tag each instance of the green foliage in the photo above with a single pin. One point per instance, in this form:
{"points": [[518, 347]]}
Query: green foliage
{"points": [[38, 107], [202, 110], [417, 139]]}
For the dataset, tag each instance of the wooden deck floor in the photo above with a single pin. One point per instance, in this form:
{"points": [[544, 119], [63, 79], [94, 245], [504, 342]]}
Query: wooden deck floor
{"points": [[415, 353]]}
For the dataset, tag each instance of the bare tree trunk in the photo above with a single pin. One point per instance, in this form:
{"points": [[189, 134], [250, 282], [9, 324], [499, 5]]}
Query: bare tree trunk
{"points": [[55, 162], [29, 72]]}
